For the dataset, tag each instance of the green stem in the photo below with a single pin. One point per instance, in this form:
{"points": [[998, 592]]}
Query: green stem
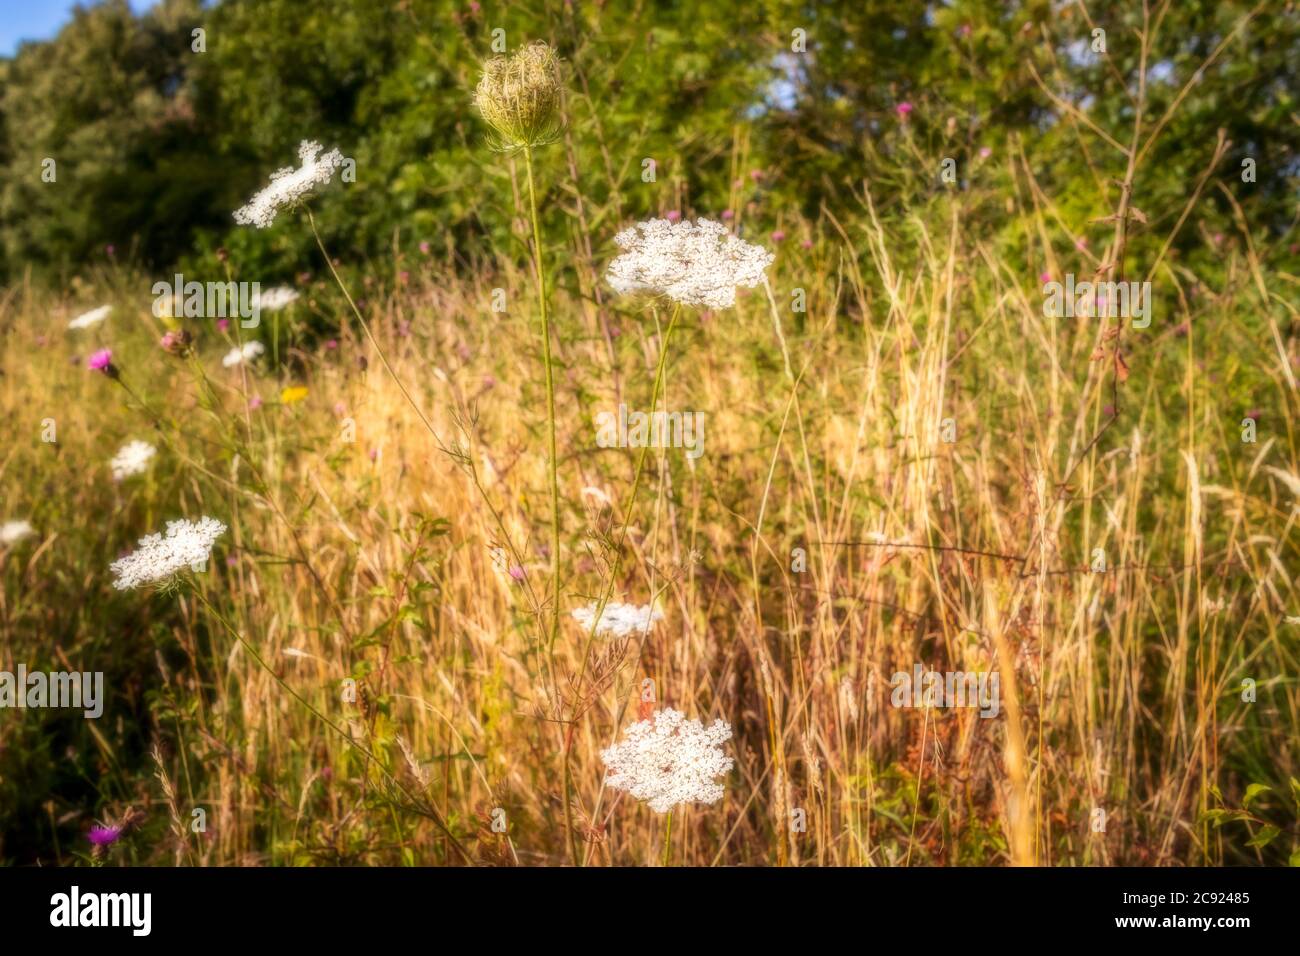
{"points": [[627, 517], [555, 494], [550, 402], [668, 838]]}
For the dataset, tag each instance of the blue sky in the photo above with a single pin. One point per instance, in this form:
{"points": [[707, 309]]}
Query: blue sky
{"points": [[40, 19]]}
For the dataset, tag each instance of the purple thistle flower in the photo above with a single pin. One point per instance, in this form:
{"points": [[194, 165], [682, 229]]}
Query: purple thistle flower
{"points": [[103, 836]]}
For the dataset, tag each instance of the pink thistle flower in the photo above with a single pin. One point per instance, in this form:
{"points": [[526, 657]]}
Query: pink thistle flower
{"points": [[985, 152], [728, 214], [223, 324], [255, 402], [516, 572], [109, 250], [103, 836], [903, 109], [331, 343], [672, 215], [1045, 278], [755, 174], [424, 247], [101, 361], [778, 235], [807, 244], [1081, 243]]}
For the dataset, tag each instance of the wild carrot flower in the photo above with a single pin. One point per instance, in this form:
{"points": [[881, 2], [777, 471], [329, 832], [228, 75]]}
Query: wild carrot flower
{"points": [[132, 458], [289, 185], [669, 760], [159, 558], [698, 263], [519, 97], [275, 298], [618, 620], [247, 353], [11, 532], [93, 317]]}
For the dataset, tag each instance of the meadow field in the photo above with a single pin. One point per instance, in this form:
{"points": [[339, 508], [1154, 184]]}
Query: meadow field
{"points": [[884, 457]]}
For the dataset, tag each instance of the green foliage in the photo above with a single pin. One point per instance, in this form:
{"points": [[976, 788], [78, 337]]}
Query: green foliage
{"points": [[155, 143]]}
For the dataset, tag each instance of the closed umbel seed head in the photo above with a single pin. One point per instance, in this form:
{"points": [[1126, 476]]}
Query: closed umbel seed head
{"points": [[519, 97]]}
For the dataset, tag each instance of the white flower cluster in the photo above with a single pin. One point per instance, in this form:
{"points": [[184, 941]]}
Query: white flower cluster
{"points": [[288, 185], [669, 760], [187, 544], [618, 620], [131, 459], [697, 263], [250, 351], [11, 532], [273, 299], [93, 317]]}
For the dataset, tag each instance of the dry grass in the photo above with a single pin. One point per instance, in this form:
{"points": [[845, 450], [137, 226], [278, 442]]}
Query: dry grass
{"points": [[373, 559]]}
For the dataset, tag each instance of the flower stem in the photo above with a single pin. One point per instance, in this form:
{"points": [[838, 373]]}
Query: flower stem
{"points": [[668, 838], [554, 463], [627, 520], [550, 402]]}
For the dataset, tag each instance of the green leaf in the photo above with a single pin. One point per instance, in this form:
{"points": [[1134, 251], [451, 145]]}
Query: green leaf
{"points": [[1264, 837], [1253, 791]]}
